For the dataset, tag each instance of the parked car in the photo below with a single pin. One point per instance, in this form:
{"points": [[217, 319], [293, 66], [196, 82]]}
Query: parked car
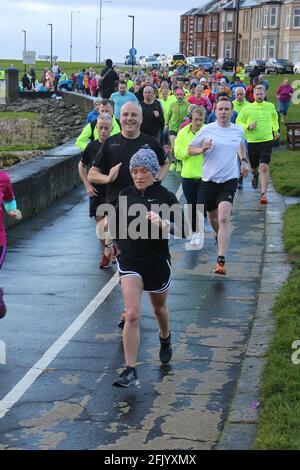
{"points": [[162, 59], [279, 66], [139, 59], [261, 64], [297, 68], [150, 62], [175, 60], [205, 62], [226, 63], [130, 60]]}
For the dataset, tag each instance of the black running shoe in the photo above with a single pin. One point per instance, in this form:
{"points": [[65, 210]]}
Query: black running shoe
{"points": [[165, 352], [254, 181], [128, 378]]}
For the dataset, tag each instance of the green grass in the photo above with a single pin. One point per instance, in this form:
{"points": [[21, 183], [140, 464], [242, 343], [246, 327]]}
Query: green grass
{"points": [[285, 172], [279, 426], [6, 115]]}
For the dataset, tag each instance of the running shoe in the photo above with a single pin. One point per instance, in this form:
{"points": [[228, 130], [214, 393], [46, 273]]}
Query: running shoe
{"points": [[2, 305], [104, 263], [121, 322], [128, 378], [220, 269], [263, 199], [255, 181], [165, 352]]}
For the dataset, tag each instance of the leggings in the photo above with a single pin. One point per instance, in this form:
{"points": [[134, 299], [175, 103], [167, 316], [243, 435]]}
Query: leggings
{"points": [[2, 254], [192, 190]]}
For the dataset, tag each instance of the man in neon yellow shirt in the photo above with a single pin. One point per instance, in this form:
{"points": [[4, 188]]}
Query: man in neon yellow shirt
{"points": [[90, 131], [240, 102], [260, 121]]}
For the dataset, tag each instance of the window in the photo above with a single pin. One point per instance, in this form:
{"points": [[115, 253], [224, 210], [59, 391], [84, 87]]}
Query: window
{"points": [[256, 47], [271, 48], [265, 18], [210, 23], [184, 26], [288, 18], [257, 20], [295, 52], [228, 49], [213, 50], [296, 18], [200, 25], [285, 50], [229, 22], [199, 48], [246, 21], [245, 50], [215, 23], [223, 22], [264, 49], [273, 17]]}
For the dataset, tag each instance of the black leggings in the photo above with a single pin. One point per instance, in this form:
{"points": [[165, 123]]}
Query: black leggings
{"points": [[192, 190]]}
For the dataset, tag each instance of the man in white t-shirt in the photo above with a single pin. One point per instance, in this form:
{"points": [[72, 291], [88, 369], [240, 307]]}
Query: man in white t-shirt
{"points": [[221, 143]]}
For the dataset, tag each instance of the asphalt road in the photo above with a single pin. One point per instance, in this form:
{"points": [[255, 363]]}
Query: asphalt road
{"points": [[63, 349]]}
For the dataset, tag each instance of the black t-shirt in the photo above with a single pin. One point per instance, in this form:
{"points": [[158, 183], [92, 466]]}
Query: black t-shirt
{"points": [[117, 149], [87, 158], [151, 125]]}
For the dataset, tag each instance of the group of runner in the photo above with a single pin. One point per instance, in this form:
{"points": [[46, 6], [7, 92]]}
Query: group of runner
{"points": [[163, 123]]}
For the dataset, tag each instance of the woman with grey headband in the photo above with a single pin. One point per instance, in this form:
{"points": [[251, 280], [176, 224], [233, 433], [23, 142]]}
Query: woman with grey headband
{"points": [[144, 258]]}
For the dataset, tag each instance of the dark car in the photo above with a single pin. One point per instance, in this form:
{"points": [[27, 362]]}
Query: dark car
{"points": [[205, 62], [279, 66], [130, 60], [226, 63], [261, 64]]}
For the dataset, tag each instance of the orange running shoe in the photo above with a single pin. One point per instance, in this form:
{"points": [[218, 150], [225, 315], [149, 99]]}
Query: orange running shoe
{"points": [[220, 266], [263, 199]]}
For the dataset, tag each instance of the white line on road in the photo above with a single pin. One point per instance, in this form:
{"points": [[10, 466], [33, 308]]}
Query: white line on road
{"points": [[38, 368], [30, 377]]}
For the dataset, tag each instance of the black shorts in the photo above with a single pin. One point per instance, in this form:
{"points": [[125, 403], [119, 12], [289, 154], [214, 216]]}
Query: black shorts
{"points": [[156, 275], [214, 193], [260, 152], [95, 202]]}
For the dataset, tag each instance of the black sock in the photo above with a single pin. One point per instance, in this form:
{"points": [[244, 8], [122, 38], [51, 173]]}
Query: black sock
{"points": [[221, 260]]}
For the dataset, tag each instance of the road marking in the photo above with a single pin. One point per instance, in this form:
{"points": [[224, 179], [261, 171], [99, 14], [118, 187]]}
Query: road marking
{"points": [[38, 368], [30, 377]]}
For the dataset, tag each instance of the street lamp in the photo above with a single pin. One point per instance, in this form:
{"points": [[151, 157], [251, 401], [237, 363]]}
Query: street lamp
{"points": [[97, 19], [132, 43], [24, 31], [100, 27], [51, 37], [71, 33]]}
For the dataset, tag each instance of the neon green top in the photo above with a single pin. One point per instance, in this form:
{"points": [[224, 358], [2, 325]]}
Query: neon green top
{"points": [[2, 74], [167, 103], [266, 118], [238, 106], [176, 114], [84, 138], [191, 166]]}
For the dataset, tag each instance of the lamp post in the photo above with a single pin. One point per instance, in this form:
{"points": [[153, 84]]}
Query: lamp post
{"points": [[132, 42], [237, 21], [71, 32], [51, 41], [24, 31], [97, 19], [100, 27]]}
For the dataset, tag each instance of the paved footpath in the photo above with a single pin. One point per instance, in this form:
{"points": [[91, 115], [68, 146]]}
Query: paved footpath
{"points": [[63, 352]]}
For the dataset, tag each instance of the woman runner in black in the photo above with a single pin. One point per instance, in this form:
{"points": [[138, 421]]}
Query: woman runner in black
{"points": [[144, 258]]}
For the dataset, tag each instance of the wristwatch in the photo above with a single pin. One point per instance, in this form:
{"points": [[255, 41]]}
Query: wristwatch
{"points": [[244, 160]]}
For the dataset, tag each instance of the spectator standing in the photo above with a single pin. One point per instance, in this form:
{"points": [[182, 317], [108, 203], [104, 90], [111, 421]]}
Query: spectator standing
{"points": [[108, 79], [284, 94]]}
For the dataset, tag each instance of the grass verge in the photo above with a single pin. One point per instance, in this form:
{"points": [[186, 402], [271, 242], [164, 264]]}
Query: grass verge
{"points": [[279, 426], [285, 172], [8, 115]]}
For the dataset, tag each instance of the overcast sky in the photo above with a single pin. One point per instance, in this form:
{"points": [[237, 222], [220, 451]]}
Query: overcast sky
{"points": [[156, 27]]}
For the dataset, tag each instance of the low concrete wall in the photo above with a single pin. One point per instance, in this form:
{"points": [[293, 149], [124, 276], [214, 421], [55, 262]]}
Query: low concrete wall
{"points": [[41, 181]]}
